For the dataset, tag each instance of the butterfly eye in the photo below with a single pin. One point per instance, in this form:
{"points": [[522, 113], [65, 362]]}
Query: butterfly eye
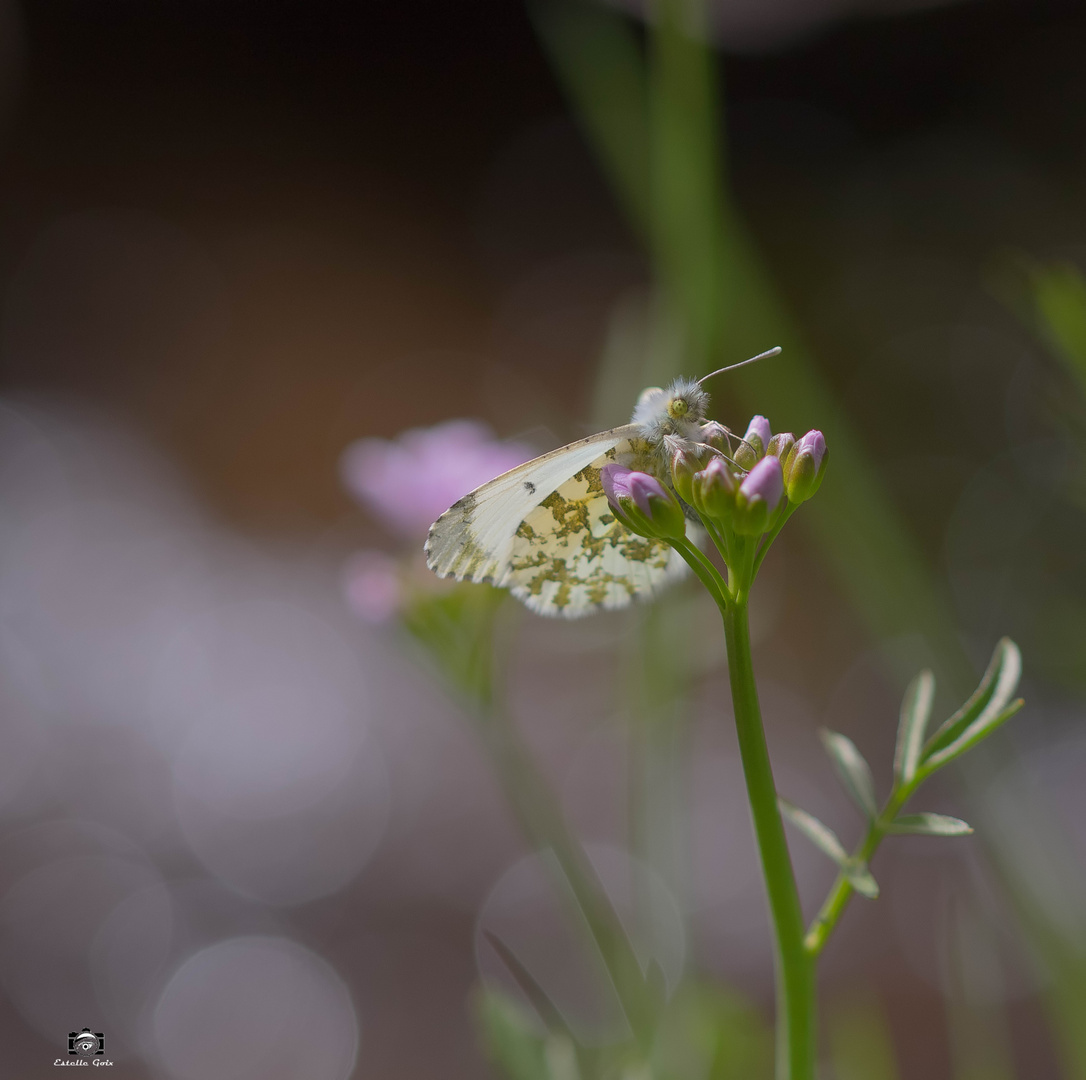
{"points": [[677, 408]]}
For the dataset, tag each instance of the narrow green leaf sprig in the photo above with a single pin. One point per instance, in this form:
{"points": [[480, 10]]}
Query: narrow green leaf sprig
{"points": [[853, 770], [990, 706], [825, 839]]}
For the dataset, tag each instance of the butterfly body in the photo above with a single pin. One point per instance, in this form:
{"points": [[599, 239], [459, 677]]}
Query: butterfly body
{"points": [[678, 411]]}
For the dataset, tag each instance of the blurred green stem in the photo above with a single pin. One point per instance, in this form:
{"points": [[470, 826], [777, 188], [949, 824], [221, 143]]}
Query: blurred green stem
{"points": [[656, 679], [460, 631], [541, 818], [795, 968]]}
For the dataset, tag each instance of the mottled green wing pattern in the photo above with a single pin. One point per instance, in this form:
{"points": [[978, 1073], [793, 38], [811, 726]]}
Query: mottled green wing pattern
{"points": [[545, 531], [473, 540], [570, 556]]}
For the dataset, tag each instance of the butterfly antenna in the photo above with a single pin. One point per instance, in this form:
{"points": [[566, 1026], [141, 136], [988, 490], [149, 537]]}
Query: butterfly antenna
{"points": [[742, 363], [729, 460]]}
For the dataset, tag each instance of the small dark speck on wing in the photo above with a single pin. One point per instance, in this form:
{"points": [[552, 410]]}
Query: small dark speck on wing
{"points": [[529, 487]]}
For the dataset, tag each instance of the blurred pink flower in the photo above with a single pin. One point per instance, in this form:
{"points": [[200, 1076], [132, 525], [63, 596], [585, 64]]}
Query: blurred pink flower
{"points": [[410, 481], [372, 585]]}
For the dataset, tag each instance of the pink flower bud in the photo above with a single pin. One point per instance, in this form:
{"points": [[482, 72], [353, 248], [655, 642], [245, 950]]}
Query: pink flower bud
{"points": [[642, 503], [759, 495], [716, 436], [752, 449], [684, 464], [806, 466], [780, 446], [714, 491]]}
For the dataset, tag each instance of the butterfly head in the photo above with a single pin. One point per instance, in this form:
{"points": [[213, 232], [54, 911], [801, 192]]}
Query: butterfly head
{"points": [[677, 410]]}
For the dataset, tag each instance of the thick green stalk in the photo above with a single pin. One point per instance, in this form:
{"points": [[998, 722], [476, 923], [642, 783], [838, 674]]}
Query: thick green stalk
{"points": [[795, 967]]}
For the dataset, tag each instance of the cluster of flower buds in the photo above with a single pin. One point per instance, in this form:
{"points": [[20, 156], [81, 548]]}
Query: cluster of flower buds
{"points": [[741, 490], [744, 491], [717, 490]]}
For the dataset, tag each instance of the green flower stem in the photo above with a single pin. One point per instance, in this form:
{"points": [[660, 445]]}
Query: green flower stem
{"points": [[718, 536], [841, 891], [705, 570], [795, 966], [787, 511], [657, 677]]}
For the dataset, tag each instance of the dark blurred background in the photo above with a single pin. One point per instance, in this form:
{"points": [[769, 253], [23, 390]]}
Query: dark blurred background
{"points": [[237, 236]]}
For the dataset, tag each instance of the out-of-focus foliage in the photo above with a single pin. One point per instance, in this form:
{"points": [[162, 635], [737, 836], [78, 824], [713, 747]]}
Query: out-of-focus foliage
{"points": [[456, 629], [1059, 292], [705, 1032], [665, 166], [861, 1045], [709, 1032]]}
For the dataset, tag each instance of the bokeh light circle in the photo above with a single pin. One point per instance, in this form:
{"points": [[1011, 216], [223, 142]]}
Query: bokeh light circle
{"points": [[263, 1008], [50, 921]]}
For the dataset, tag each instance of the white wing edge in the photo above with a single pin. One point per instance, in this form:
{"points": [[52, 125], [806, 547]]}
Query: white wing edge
{"points": [[472, 540]]}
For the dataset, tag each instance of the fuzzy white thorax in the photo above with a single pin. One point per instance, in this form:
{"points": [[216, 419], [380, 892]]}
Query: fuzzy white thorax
{"points": [[677, 410]]}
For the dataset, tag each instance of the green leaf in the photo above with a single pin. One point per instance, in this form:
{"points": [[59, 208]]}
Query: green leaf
{"points": [[988, 708], [1060, 298], [686, 177], [1005, 662], [926, 824], [854, 772], [976, 733], [822, 836], [509, 1037], [915, 712], [860, 878]]}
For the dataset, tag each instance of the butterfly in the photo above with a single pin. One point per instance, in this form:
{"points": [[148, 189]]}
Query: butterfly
{"points": [[545, 530]]}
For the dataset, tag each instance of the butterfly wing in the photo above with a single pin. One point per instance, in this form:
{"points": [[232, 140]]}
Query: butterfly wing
{"points": [[571, 557], [546, 532], [473, 539]]}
